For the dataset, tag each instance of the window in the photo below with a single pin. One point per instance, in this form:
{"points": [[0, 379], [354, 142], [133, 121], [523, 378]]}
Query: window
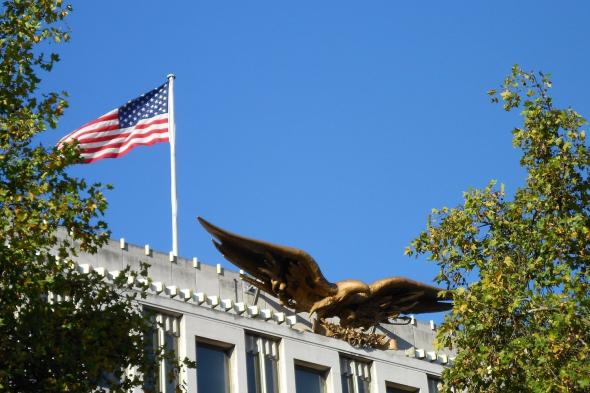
{"points": [[212, 369], [434, 384], [309, 380], [163, 333], [356, 376], [262, 356], [395, 388]]}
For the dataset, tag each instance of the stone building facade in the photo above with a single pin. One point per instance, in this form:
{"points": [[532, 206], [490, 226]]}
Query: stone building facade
{"points": [[244, 341]]}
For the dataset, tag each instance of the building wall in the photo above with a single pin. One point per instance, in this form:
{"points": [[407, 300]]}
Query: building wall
{"points": [[215, 306]]}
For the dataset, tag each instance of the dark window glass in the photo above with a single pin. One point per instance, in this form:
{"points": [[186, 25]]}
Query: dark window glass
{"points": [[253, 369], [262, 364], [107, 380], [212, 369], [347, 385], [308, 380], [391, 389], [433, 384], [170, 344], [356, 375], [151, 380], [363, 385], [272, 375], [162, 334]]}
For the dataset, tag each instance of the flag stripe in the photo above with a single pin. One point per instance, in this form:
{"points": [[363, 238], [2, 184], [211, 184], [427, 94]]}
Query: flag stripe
{"points": [[109, 134], [97, 129], [111, 115], [120, 142], [100, 141], [109, 118], [114, 153]]}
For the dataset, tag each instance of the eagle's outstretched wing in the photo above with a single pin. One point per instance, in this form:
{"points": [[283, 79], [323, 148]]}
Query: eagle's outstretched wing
{"points": [[390, 297], [286, 272]]}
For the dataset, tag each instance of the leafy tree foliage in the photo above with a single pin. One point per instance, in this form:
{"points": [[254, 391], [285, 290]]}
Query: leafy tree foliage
{"points": [[59, 330], [518, 267]]}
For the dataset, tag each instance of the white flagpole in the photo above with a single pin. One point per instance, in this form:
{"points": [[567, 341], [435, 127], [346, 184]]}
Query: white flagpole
{"points": [[172, 138]]}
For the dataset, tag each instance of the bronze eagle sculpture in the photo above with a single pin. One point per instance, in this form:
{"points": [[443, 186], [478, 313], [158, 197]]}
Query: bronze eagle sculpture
{"points": [[294, 277]]}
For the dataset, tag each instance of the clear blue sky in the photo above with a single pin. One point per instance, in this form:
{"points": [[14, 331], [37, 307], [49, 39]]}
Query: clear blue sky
{"points": [[332, 126]]}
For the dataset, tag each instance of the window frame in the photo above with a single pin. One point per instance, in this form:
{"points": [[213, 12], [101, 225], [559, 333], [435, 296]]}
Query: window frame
{"points": [[263, 348], [323, 372], [226, 348], [164, 325], [353, 370], [433, 382], [400, 387]]}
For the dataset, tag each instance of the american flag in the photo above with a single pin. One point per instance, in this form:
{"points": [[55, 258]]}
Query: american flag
{"points": [[140, 122]]}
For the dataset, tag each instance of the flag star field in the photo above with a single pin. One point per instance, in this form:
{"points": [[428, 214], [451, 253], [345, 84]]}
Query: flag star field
{"points": [[148, 105]]}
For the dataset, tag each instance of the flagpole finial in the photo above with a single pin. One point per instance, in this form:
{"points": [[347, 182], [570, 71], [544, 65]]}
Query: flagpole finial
{"points": [[170, 76]]}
